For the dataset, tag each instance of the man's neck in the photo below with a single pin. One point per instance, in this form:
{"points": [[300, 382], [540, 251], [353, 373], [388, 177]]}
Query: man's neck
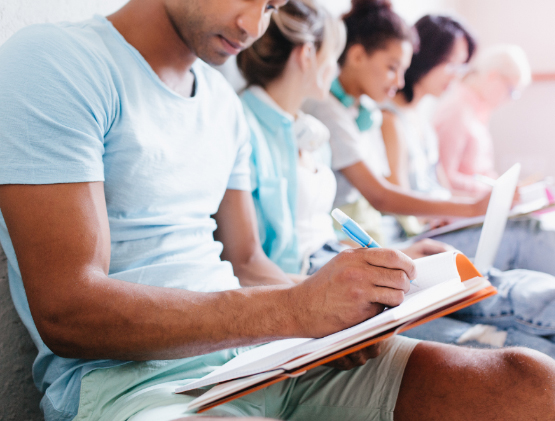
{"points": [[146, 26]]}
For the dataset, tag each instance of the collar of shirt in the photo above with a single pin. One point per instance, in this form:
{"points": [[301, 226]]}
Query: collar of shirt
{"points": [[364, 119], [263, 96]]}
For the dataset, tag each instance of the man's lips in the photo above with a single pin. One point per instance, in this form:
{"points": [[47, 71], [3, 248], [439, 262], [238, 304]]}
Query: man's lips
{"points": [[231, 47]]}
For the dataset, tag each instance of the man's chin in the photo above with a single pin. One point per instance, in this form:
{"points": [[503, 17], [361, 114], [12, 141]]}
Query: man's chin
{"points": [[216, 58]]}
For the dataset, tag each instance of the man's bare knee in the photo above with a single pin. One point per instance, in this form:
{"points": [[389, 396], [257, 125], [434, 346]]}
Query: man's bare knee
{"points": [[531, 373], [448, 382]]}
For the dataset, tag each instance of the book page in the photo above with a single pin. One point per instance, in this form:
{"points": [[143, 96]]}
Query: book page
{"points": [[255, 360], [224, 389], [432, 270]]}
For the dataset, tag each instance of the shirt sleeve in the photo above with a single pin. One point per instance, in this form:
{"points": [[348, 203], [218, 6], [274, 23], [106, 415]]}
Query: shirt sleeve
{"points": [[240, 177], [56, 107], [346, 141]]}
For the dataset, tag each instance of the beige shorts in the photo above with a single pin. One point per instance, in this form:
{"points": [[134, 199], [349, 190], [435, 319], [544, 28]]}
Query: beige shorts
{"points": [[144, 391]]}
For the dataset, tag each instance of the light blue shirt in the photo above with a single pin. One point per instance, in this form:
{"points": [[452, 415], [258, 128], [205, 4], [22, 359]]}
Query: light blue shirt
{"points": [[80, 104], [274, 180]]}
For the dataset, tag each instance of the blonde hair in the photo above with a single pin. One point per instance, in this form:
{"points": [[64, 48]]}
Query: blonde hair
{"points": [[506, 59], [297, 23]]}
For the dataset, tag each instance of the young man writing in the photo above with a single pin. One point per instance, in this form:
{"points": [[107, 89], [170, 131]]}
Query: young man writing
{"points": [[117, 146]]}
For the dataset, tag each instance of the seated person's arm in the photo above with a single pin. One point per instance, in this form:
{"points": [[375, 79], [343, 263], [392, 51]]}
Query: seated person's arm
{"points": [[386, 197], [395, 147], [61, 238], [238, 232]]}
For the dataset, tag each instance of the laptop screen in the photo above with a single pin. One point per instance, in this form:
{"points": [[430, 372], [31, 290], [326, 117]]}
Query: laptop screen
{"points": [[496, 218]]}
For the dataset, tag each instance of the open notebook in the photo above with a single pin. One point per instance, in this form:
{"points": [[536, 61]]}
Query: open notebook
{"points": [[445, 283]]}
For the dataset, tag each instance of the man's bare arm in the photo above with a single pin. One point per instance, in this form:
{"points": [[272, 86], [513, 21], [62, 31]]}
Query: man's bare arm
{"points": [[238, 232], [61, 238]]}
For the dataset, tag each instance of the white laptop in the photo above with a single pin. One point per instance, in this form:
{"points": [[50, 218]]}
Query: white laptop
{"points": [[494, 222], [496, 218]]}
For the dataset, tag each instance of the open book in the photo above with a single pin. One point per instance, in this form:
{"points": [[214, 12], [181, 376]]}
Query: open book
{"points": [[445, 283]]}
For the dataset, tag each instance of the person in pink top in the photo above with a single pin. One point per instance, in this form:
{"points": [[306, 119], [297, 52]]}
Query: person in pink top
{"points": [[498, 75]]}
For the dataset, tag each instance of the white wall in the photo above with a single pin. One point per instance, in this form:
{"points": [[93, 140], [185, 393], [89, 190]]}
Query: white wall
{"points": [[523, 131], [412, 10], [337, 7], [19, 400], [527, 23], [16, 14]]}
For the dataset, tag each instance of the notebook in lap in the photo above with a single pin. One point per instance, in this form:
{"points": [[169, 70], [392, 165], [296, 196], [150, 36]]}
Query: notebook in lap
{"points": [[252, 372], [430, 297]]}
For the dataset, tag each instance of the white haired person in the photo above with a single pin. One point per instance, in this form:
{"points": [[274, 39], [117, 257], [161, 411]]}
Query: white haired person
{"points": [[498, 75]]}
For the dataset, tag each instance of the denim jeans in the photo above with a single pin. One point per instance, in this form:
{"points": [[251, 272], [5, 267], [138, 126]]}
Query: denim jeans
{"points": [[521, 314], [322, 256], [525, 245]]}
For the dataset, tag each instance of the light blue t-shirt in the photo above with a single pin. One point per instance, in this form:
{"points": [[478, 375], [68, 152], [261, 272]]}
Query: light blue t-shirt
{"points": [[80, 104]]}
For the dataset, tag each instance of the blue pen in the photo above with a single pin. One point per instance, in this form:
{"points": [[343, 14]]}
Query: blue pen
{"points": [[354, 231]]}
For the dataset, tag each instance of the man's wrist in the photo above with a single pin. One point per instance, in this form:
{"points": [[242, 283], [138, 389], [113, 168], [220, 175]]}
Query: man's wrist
{"points": [[294, 312]]}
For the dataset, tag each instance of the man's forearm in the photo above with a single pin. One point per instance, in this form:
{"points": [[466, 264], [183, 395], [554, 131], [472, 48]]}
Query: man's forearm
{"points": [[113, 319]]}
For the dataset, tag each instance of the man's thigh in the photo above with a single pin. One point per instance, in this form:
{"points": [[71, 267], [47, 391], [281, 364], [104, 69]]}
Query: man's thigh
{"points": [[365, 393]]}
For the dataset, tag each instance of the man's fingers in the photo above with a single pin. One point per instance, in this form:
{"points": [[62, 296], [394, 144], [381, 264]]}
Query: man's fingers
{"points": [[387, 296], [357, 359], [373, 351], [393, 279], [358, 270], [389, 259], [365, 277]]}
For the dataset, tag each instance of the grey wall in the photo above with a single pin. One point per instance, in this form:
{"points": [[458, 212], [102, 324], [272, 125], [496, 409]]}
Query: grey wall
{"points": [[19, 399]]}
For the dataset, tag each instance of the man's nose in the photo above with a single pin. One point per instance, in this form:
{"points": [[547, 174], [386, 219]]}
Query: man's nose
{"points": [[254, 21]]}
